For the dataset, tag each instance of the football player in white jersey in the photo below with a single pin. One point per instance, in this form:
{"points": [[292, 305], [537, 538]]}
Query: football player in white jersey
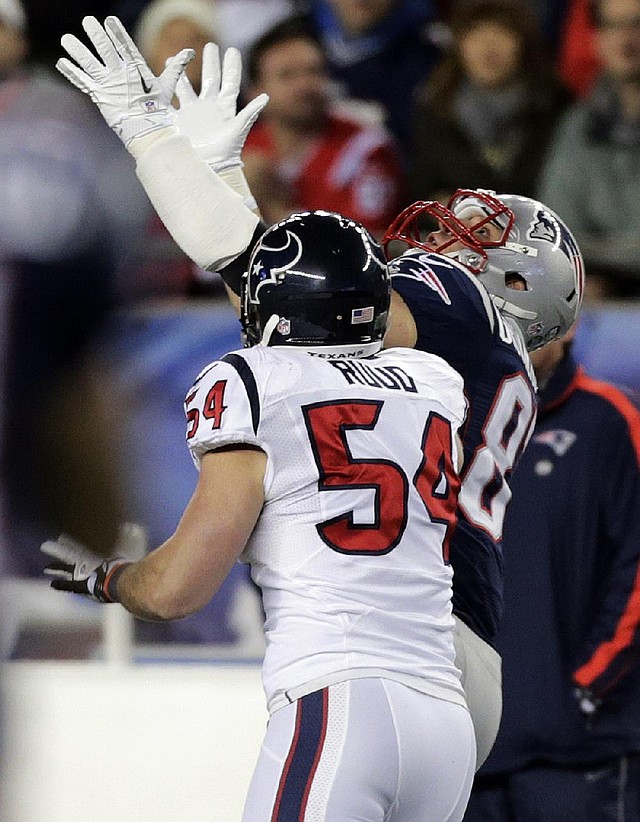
{"points": [[330, 467], [521, 252]]}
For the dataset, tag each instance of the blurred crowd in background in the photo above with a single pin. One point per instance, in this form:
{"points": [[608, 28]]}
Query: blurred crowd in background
{"points": [[104, 323]]}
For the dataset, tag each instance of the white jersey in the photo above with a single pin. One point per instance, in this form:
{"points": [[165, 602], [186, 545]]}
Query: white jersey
{"points": [[360, 500]]}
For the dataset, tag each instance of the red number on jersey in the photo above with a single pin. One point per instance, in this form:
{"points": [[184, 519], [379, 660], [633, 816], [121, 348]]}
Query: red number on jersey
{"points": [[193, 417], [213, 409], [327, 424], [214, 406], [435, 480]]}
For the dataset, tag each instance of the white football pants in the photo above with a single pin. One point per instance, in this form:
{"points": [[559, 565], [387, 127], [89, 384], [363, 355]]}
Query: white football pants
{"points": [[481, 676], [365, 750]]}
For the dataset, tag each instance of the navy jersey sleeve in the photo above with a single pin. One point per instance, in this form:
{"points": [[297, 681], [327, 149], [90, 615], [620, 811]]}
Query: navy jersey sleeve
{"points": [[453, 312], [613, 640]]}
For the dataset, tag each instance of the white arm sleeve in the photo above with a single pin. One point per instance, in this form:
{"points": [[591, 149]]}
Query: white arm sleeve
{"points": [[207, 219], [234, 177]]}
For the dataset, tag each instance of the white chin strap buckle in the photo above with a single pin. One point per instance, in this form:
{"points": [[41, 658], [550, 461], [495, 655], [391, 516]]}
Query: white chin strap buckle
{"points": [[502, 304]]}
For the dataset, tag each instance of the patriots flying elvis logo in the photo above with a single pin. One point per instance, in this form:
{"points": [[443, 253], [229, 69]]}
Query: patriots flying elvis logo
{"points": [[544, 227], [559, 440]]}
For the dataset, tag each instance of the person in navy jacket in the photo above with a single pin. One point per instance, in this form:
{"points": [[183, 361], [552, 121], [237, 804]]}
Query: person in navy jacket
{"points": [[568, 748]]}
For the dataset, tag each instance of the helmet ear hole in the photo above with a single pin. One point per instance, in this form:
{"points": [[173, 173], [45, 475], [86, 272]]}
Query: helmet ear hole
{"points": [[515, 281]]}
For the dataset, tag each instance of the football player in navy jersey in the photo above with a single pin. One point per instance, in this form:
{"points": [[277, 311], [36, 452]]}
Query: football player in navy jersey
{"points": [[520, 253], [498, 276]]}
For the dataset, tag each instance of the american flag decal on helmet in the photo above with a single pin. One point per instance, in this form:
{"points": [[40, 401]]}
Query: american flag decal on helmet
{"points": [[362, 315]]}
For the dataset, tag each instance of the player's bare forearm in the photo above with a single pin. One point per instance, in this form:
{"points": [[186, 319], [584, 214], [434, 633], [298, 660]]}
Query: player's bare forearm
{"points": [[162, 588], [180, 577], [137, 588]]}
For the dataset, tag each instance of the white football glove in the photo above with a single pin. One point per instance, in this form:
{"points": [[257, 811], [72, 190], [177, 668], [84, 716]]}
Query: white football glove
{"points": [[132, 100], [77, 569], [210, 120]]}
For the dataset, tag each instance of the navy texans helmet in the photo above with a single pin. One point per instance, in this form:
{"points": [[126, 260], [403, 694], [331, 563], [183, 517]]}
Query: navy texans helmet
{"points": [[533, 243], [320, 281]]}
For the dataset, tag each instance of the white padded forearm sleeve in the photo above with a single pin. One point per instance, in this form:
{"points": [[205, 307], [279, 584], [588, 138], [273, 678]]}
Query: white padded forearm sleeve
{"points": [[207, 219]]}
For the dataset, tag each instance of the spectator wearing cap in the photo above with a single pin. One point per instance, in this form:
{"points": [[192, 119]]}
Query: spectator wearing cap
{"points": [[163, 29], [167, 26]]}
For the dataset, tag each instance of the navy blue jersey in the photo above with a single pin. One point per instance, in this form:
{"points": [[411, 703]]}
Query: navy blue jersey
{"points": [[456, 319]]}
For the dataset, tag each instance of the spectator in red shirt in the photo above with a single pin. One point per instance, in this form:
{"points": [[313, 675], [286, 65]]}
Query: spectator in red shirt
{"points": [[578, 60], [302, 154]]}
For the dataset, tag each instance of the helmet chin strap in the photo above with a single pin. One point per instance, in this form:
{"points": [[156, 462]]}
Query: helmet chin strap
{"points": [[529, 250], [470, 259], [269, 328], [502, 304]]}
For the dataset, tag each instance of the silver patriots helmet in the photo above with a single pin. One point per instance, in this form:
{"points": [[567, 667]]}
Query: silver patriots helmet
{"points": [[320, 281], [534, 244]]}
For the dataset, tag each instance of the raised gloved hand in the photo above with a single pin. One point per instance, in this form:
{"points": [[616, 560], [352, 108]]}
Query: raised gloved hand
{"points": [[210, 120], [132, 100], [77, 569]]}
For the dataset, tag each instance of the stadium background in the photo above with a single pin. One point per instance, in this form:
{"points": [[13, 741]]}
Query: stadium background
{"points": [[158, 730]]}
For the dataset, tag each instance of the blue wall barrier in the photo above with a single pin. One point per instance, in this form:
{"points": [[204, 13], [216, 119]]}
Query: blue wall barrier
{"points": [[608, 344]]}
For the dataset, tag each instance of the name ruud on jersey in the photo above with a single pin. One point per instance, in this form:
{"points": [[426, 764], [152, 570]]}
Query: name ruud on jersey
{"points": [[386, 376]]}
